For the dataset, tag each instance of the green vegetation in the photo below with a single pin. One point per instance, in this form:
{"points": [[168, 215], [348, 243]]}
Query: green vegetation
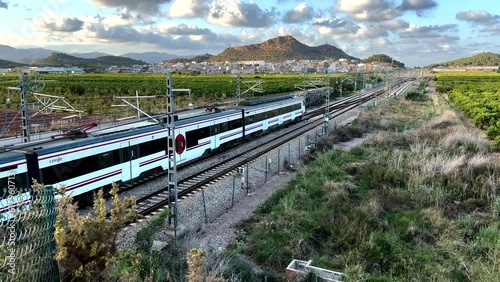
{"points": [[8, 64], [86, 245], [482, 59], [93, 93], [417, 202], [382, 58], [478, 95], [100, 63]]}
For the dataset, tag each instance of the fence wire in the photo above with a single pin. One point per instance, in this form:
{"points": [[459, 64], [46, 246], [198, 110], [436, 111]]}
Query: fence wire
{"points": [[27, 243]]}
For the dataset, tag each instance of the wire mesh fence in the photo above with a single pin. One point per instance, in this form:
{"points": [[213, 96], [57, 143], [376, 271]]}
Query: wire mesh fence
{"points": [[27, 246]]}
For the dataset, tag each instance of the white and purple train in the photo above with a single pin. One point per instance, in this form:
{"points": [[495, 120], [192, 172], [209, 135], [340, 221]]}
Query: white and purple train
{"points": [[127, 152]]}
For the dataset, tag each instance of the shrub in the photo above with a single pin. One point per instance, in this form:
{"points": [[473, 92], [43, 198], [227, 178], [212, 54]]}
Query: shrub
{"points": [[86, 245]]}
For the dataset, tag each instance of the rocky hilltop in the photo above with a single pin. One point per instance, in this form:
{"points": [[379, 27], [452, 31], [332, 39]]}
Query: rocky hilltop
{"points": [[280, 49]]}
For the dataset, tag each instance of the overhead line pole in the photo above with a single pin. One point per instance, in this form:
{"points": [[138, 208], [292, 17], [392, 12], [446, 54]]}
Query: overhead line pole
{"points": [[172, 162], [24, 109]]}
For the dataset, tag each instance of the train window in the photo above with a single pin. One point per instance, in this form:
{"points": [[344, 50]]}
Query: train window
{"points": [[193, 136], [152, 147], [105, 160], [214, 130], [249, 120], [124, 152], [223, 127], [233, 124], [19, 183], [68, 170], [76, 168]]}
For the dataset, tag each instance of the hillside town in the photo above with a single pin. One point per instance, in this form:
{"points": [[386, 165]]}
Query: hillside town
{"points": [[242, 67]]}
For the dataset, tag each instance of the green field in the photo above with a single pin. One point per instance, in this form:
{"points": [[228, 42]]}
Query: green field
{"points": [[478, 95], [93, 92]]}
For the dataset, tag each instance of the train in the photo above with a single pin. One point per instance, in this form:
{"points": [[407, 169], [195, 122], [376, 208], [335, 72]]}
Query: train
{"points": [[127, 152]]}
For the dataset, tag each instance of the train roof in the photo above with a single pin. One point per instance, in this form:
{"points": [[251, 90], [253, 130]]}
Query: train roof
{"points": [[49, 146], [11, 156]]}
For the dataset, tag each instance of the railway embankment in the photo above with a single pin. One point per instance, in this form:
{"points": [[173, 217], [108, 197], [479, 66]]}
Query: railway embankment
{"points": [[416, 201]]}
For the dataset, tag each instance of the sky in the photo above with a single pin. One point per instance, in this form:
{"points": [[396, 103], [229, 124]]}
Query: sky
{"points": [[415, 32]]}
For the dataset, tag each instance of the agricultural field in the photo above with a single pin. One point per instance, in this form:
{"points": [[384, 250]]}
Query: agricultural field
{"points": [[478, 96], [93, 93]]}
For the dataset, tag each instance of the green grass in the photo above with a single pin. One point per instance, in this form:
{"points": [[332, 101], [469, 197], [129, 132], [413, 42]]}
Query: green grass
{"points": [[416, 203]]}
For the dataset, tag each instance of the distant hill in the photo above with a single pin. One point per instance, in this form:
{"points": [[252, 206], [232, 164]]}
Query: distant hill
{"points": [[280, 49], [61, 59], [479, 60], [198, 59], [382, 58], [29, 56], [24, 56], [8, 64], [150, 57]]}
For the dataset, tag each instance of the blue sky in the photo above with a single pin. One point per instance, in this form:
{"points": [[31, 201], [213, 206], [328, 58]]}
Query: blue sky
{"points": [[416, 32]]}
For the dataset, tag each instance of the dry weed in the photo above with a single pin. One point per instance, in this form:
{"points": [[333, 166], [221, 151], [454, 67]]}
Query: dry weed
{"points": [[466, 140], [452, 165]]}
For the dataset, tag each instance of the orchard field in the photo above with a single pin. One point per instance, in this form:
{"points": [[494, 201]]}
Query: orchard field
{"points": [[478, 96], [94, 93]]}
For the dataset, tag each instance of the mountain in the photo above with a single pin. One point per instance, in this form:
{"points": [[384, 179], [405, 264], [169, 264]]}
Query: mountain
{"points": [[61, 59], [8, 64], [24, 56], [199, 59], [382, 58], [280, 49], [150, 57], [31, 55], [481, 59]]}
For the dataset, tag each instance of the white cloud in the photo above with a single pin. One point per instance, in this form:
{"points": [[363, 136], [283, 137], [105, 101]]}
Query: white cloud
{"points": [[188, 8], [239, 14], [368, 10], [50, 22], [299, 13], [149, 7]]}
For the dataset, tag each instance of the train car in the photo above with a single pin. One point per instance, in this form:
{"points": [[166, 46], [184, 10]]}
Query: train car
{"points": [[263, 115], [126, 152]]}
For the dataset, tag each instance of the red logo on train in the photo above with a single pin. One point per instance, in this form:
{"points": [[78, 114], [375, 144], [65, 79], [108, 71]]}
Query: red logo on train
{"points": [[180, 144]]}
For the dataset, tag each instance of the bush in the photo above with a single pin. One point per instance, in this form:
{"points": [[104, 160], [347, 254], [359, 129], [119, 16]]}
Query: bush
{"points": [[416, 96], [86, 245]]}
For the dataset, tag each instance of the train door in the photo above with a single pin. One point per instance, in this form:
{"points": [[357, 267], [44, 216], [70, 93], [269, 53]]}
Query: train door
{"points": [[214, 131], [128, 153]]}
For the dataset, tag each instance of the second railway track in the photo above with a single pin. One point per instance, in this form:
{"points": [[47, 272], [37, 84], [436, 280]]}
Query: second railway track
{"points": [[161, 198]]}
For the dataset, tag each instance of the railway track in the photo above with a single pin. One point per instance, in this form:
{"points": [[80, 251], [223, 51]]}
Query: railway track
{"points": [[161, 198]]}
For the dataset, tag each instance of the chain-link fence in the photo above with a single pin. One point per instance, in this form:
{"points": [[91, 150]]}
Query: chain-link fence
{"points": [[27, 246], [223, 194]]}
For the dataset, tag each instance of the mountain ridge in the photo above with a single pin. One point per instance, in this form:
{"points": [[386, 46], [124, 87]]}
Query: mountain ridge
{"points": [[481, 59], [57, 59], [9, 64], [280, 49]]}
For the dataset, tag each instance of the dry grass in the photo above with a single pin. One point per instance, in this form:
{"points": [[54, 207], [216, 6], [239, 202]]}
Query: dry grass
{"points": [[464, 140]]}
